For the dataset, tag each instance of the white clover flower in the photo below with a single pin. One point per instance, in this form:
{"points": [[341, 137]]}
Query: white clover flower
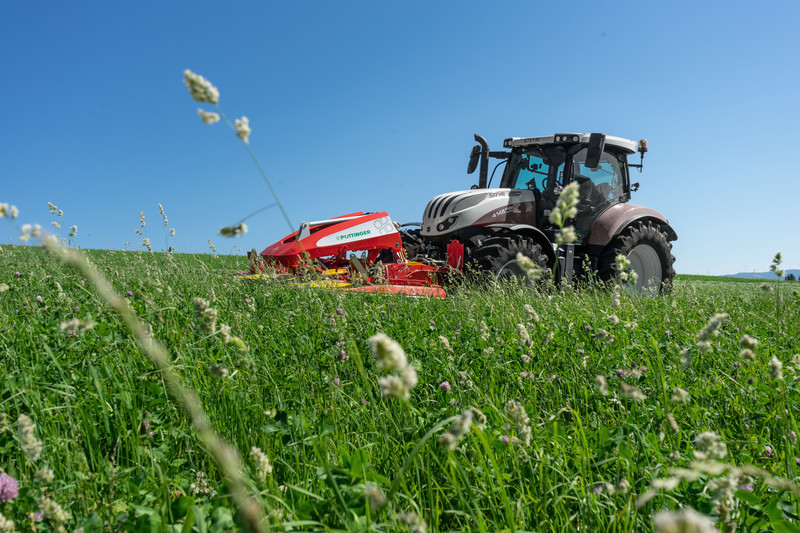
{"points": [[207, 117], [200, 88], [242, 126]]}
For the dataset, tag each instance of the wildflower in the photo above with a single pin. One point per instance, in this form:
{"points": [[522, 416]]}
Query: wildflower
{"points": [[680, 396], [566, 206], [710, 445], [242, 126], [613, 319], [9, 488], [602, 384], [683, 521], [208, 117], [264, 468], [484, 331], [387, 352], [768, 452], [747, 354], [463, 379], [775, 267], [27, 438], [232, 231], [711, 329], [631, 392], [444, 386], [776, 369], [506, 439], [200, 88], [4, 287], [525, 358]]}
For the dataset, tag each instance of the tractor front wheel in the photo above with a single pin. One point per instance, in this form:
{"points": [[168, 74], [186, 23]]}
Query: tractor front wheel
{"points": [[497, 256], [645, 245]]}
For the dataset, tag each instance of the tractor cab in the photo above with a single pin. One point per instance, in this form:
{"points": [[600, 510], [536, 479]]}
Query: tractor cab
{"points": [[545, 165]]}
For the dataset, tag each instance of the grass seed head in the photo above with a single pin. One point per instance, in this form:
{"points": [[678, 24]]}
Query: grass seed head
{"points": [[208, 117], [242, 126], [776, 369], [684, 521], [200, 88], [27, 437]]}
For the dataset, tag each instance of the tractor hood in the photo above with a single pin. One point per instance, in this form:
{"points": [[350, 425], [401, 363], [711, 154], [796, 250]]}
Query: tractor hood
{"points": [[450, 212]]}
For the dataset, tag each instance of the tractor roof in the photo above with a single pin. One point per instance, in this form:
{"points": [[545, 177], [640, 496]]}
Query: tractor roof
{"points": [[625, 145]]}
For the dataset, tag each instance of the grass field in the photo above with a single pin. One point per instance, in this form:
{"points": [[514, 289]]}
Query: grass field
{"points": [[581, 416]]}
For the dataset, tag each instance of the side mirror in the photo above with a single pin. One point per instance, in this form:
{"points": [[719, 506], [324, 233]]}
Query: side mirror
{"points": [[597, 141], [474, 157]]}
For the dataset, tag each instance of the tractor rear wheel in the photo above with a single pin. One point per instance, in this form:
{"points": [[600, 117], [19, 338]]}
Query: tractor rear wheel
{"points": [[646, 246], [497, 256]]}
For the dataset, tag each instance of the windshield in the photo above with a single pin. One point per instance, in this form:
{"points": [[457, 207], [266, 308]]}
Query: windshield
{"points": [[537, 169]]}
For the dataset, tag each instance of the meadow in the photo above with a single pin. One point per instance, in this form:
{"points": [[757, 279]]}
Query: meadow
{"points": [[532, 411]]}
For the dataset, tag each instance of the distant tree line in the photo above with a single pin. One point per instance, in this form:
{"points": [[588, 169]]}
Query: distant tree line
{"points": [[790, 277]]}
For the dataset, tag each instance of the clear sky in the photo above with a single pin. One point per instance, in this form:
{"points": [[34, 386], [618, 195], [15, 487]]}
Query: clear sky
{"points": [[372, 106]]}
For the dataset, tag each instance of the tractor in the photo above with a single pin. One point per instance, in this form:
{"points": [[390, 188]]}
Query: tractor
{"points": [[496, 224]]}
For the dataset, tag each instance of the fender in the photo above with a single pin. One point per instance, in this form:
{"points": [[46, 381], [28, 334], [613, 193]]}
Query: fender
{"points": [[617, 217]]}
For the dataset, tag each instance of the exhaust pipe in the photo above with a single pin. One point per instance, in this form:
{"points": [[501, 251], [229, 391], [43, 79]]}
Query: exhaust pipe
{"points": [[484, 172]]}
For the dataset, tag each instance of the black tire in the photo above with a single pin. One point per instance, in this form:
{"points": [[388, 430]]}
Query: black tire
{"points": [[646, 246], [497, 256]]}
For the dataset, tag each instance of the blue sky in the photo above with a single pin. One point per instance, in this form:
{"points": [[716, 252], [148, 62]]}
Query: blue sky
{"points": [[372, 106]]}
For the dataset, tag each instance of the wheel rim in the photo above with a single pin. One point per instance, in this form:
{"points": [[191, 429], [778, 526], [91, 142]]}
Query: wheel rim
{"points": [[647, 265]]}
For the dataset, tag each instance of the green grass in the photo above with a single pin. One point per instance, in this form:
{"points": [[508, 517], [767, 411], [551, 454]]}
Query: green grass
{"points": [[332, 438]]}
